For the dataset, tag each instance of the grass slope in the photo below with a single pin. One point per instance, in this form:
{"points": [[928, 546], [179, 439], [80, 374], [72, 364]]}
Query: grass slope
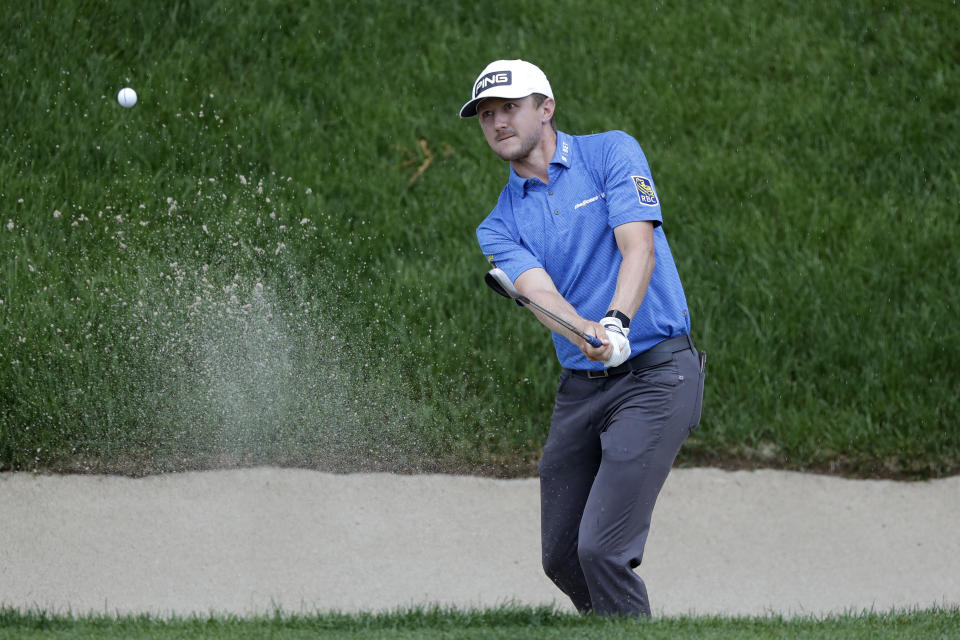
{"points": [[271, 258]]}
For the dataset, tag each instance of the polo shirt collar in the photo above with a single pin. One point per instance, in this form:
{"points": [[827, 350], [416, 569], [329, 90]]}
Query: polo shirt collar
{"points": [[564, 153]]}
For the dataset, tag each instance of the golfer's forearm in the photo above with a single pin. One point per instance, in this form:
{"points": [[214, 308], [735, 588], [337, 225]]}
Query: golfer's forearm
{"points": [[632, 281], [539, 288], [556, 304]]}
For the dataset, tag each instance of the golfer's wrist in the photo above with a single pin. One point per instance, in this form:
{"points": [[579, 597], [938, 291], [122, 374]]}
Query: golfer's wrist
{"points": [[619, 315]]}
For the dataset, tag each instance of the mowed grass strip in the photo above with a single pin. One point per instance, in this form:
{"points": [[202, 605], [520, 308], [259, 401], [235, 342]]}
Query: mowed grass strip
{"points": [[271, 258], [502, 622]]}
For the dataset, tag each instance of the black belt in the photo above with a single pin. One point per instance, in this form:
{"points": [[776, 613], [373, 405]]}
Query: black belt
{"points": [[657, 354]]}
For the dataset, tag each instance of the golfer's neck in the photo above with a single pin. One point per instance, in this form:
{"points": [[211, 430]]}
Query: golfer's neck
{"points": [[537, 163]]}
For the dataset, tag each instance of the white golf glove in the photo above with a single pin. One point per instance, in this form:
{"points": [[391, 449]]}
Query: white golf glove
{"points": [[618, 340]]}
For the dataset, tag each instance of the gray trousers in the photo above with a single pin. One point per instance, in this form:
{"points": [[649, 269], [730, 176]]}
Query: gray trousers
{"points": [[612, 443]]}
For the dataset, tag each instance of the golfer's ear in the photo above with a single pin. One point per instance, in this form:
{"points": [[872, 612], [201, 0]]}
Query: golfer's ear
{"points": [[548, 108]]}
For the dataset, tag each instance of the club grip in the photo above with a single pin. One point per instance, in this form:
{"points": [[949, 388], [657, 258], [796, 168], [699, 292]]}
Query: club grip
{"points": [[594, 341]]}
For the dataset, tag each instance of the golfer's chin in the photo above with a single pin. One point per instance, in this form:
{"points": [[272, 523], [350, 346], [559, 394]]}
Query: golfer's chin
{"points": [[510, 149]]}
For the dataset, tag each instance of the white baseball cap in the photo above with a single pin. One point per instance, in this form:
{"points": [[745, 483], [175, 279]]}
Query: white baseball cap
{"points": [[507, 79]]}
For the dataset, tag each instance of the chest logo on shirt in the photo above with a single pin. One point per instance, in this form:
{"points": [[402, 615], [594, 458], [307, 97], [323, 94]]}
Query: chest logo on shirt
{"points": [[589, 201], [648, 197]]}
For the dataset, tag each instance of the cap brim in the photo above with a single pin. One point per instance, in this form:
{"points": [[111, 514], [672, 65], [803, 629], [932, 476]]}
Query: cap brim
{"points": [[469, 110]]}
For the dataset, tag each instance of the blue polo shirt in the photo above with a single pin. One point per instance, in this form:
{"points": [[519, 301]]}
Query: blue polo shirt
{"points": [[597, 182]]}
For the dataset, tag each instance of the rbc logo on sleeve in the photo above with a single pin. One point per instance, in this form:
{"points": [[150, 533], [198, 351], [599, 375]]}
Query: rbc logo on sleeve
{"points": [[648, 197]]}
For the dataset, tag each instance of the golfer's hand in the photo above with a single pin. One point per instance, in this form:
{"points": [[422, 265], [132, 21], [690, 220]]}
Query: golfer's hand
{"points": [[615, 347], [620, 345], [596, 354]]}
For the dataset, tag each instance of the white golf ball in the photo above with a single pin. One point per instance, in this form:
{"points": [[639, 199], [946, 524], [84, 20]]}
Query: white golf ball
{"points": [[127, 97]]}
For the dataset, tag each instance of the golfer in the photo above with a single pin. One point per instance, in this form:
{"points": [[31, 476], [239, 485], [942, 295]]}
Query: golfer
{"points": [[578, 229]]}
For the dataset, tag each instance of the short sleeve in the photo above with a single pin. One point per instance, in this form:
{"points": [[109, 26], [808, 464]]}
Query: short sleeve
{"points": [[631, 194]]}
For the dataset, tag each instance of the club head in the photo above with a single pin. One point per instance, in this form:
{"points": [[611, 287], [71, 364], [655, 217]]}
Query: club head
{"points": [[499, 281]]}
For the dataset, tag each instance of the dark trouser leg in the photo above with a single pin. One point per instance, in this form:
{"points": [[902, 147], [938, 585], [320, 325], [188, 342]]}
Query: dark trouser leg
{"points": [[648, 418], [570, 461]]}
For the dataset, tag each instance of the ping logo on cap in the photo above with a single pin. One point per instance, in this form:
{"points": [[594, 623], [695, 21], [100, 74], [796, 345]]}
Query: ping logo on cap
{"points": [[492, 79], [645, 192]]}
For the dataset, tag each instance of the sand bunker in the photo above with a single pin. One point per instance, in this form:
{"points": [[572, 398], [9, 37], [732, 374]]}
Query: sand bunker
{"points": [[247, 541]]}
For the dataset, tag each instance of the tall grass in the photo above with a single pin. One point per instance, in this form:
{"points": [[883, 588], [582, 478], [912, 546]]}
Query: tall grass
{"points": [[271, 258]]}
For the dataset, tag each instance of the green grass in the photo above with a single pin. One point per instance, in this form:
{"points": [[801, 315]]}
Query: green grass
{"points": [[502, 622], [805, 157]]}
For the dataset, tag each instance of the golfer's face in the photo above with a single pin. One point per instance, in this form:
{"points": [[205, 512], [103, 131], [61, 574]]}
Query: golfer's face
{"points": [[512, 126]]}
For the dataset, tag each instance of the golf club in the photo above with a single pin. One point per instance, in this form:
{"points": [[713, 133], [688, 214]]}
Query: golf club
{"points": [[500, 282]]}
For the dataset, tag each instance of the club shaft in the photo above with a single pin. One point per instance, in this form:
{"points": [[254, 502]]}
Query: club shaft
{"points": [[593, 340]]}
